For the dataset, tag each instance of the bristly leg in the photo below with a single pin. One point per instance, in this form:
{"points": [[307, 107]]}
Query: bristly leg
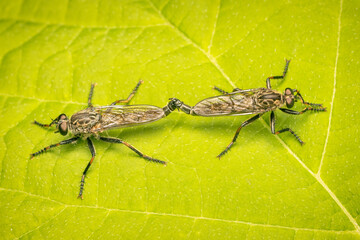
{"points": [[91, 94], [268, 85], [304, 102], [289, 111], [54, 121], [245, 123], [116, 140], [93, 153], [292, 132], [71, 140], [131, 95], [220, 90], [272, 126]]}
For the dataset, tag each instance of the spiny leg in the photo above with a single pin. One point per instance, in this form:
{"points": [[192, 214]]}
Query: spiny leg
{"points": [[268, 85], [71, 140], [220, 90], [272, 122], [289, 111], [54, 121], [116, 140], [91, 94], [93, 153], [272, 125], [131, 95], [292, 132], [303, 101], [245, 123], [225, 92]]}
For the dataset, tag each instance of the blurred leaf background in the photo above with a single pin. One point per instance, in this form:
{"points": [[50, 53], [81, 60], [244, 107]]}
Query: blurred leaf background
{"points": [[266, 187]]}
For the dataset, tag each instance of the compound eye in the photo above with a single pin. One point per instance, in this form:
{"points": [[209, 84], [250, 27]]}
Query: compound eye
{"points": [[288, 91], [63, 117], [289, 102], [63, 128]]}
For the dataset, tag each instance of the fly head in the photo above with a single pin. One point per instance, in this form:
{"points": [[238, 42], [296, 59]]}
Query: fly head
{"points": [[62, 125], [289, 97]]}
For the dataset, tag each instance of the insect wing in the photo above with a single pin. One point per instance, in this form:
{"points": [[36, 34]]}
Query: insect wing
{"points": [[126, 116], [239, 102]]}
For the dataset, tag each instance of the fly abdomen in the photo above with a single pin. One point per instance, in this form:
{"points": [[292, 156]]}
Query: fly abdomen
{"points": [[224, 105]]}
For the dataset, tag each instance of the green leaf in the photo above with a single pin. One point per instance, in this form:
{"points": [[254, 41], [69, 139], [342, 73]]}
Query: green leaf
{"points": [[266, 187]]}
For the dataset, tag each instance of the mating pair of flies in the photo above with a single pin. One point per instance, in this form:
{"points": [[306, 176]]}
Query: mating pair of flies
{"points": [[94, 120]]}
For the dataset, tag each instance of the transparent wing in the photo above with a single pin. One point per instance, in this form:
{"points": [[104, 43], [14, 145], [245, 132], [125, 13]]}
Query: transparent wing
{"points": [[126, 116], [240, 102]]}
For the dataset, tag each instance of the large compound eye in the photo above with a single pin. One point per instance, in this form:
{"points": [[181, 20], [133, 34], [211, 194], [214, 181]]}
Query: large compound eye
{"points": [[63, 128], [63, 117], [288, 91], [289, 101]]}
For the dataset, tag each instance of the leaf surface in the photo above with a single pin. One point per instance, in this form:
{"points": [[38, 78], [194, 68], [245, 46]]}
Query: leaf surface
{"points": [[51, 51]]}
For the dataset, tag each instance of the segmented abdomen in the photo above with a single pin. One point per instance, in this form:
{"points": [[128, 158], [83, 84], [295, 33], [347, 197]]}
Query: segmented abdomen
{"points": [[225, 105], [126, 116]]}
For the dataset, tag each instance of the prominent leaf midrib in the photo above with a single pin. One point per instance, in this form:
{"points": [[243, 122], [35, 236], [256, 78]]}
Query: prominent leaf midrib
{"points": [[214, 62], [218, 67], [334, 91], [169, 215]]}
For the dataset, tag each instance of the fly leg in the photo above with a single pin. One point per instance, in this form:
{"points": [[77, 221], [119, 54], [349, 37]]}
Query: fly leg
{"points": [[132, 94], [116, 140], [55, 121], [91, 94], [71, 140], [245, 123], [220, 90], [268, 85], [272, 125], [288, 111], [316, 109], [128, 99], [93, 153], [223, 91], [303, 101]]}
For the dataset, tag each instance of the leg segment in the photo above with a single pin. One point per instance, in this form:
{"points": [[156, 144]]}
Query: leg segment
{"points": [[272, 125], [132, 94], [268, 85], [54, 121], [289, 111], [223, 91], [71, 140], [91, 94], [272, 122], [292, 132], [245, 123], [220, 90], [116, 140], [93, 153], [303, 101]]}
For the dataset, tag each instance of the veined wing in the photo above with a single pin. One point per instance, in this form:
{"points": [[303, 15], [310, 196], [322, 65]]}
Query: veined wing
{"points": [[126, 116], [240, 102]]}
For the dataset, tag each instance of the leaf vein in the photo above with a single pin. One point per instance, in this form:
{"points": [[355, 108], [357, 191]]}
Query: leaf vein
{"points": [[183, 215]]}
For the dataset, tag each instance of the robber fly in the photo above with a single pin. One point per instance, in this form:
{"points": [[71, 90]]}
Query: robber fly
{"points": [[250, 101], [94, 120]]}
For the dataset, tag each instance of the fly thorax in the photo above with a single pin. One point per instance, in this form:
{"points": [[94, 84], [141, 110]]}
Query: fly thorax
{"points": [[269, 99], [82, 122]]}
